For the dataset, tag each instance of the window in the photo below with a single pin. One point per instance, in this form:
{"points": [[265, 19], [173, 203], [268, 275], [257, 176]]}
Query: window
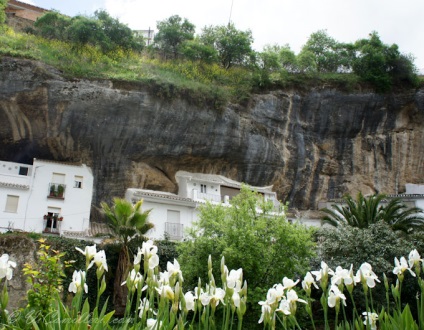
{"points": [[58, 178], [12, 204], [52, 220], [203, 188], [57, 186], [173, 216], [23, 170], [78, 181], [53, 210], [173, 228]]}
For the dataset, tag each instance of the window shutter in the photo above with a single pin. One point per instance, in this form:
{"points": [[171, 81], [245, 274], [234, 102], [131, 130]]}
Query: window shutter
{"points": [[12, 203], [58, 178]]}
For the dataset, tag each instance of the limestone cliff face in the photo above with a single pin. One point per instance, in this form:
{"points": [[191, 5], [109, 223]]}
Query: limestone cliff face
{"points": [[311, 145]]}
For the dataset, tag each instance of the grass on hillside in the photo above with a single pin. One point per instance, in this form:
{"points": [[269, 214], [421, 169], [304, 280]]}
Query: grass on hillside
{"points": [[197, 82], [200, 83]]}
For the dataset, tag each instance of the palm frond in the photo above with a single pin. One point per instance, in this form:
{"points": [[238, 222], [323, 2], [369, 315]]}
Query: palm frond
{"points": [[364, 211], [126, 219]]}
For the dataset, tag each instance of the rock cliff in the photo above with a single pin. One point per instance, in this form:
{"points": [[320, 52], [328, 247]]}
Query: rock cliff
{"points": [[311, 145]]}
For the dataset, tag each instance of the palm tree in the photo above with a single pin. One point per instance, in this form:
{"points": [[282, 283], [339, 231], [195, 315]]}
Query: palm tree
{"points": [[365, 211], [401, 217], [126, 222]]}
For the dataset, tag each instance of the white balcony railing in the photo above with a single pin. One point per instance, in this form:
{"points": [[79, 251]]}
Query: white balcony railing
{"points": [[206, 196], [174, 231]]}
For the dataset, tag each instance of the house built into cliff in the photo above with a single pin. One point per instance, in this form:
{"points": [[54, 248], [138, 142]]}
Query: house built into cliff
{"points": [[173, 213], [45, 197]]}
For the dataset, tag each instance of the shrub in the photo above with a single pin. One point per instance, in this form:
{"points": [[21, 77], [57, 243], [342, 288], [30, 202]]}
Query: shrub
{"points": [[250, 235], [378, 245]]}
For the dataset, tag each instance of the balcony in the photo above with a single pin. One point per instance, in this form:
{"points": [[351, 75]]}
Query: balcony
{"points": [[205, 196], [174, 231], [57, 191], [52, 224]]}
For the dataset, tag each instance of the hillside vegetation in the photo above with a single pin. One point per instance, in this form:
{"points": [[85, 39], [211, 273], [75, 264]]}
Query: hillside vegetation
{"points": [[216, 67]]}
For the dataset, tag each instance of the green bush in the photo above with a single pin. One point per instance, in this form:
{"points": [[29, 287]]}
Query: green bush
{"points": [[378, 245], [263, 243]]}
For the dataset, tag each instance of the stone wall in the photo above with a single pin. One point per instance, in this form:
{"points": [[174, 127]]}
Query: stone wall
{"points": [[21, 250]]}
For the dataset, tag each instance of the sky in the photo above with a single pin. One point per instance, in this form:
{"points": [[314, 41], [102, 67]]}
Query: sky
{"points": [[274, 21]]}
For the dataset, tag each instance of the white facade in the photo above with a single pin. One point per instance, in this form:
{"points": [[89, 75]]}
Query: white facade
{"points": [[46, 197], [215, 188], [172, 214], [148, 35], [416, 191], [169, 213]]}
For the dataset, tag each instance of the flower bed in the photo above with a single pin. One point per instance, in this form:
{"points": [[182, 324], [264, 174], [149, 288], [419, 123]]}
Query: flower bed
{"points": [[156, 300]]}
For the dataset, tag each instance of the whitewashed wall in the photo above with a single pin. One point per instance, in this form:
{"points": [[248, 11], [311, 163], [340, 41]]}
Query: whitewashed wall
{"points": [[9, 176], [76, 204], [159, 216], [417, 189], [33, 194]]}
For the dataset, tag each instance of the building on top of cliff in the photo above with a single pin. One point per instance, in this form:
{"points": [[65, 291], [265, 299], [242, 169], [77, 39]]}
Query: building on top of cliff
{"points": [[173, 213], [45, 197], [24, 10], [148, 35], [21, 15]]}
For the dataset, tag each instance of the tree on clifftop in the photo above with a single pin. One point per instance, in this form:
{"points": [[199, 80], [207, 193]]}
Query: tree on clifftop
{"points": [[234, 47], [3, 4], [172, 33], [381, 64], [101, 31], [52, 25], [116, 34], [326, 50]]}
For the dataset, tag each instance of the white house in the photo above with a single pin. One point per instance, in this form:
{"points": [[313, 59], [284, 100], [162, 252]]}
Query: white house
{"points": [[173, 213], [148, 35], [46, 196]]}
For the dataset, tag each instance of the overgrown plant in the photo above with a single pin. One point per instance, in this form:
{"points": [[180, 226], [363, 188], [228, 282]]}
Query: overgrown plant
{"points": [[155, 300], [45, 279]]}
